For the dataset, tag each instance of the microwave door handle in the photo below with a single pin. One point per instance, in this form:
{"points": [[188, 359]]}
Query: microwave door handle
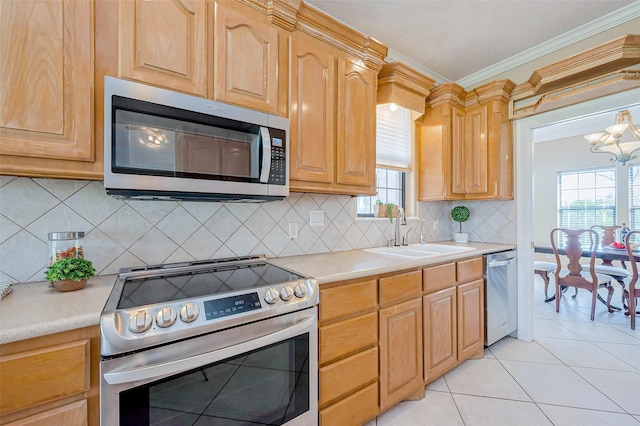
{"points": [[265, 142]]}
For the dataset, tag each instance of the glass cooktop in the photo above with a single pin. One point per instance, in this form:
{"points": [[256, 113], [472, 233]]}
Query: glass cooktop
{"points": [[163, 284]]}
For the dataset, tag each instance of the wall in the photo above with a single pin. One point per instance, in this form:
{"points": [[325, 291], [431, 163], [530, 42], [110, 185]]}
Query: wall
{"points": [[132, 233], [551, 158]]}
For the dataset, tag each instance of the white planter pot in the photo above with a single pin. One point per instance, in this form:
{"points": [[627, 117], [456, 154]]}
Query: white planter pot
{"points": [[461, 237]]}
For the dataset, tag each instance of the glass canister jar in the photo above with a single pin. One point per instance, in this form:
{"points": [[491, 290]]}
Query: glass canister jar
{"points": [[65, 244]]}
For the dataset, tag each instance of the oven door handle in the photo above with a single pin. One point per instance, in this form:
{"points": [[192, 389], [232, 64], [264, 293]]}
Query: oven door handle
{"points": [[177, 366]]}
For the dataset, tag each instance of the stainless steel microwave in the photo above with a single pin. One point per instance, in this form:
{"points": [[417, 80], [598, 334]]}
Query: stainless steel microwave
{"points": [[160, 144]]}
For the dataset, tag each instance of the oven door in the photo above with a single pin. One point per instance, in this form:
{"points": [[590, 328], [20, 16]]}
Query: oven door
{"points": [[264, 373]]}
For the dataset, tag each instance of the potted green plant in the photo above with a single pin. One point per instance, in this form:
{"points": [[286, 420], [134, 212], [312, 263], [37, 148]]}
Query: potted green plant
{"points": [[460, 214], [389, 210], [69, 273]]}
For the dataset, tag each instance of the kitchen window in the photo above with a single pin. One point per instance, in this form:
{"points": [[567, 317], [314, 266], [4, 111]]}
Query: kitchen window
{"points": [[586, 198], [394, 147]]}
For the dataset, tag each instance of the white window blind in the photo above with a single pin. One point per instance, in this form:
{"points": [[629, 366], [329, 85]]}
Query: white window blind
{"points": [[587, 198], [393, 137], [634, 196]]}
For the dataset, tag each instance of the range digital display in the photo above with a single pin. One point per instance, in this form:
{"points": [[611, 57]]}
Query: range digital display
{"points": [[232, 305]]}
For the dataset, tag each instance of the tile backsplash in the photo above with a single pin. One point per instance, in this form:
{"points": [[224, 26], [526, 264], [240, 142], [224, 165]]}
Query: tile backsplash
{"points": [[132, 233]]}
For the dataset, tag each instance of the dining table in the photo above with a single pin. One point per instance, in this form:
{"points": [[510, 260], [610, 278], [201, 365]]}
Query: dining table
{"points": [[606, 254]]}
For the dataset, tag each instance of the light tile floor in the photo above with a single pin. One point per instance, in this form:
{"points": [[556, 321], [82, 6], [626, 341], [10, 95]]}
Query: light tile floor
{"points": [[576, 372]]}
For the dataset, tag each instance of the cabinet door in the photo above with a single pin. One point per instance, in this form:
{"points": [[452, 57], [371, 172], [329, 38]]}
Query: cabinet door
{"points": [[476, 151], [46, 89], [440, 332], [246, 58], [470, 298], [355, 137], [74, 414], [312, 112], [400, 351], [163, 42], [458, 152]]}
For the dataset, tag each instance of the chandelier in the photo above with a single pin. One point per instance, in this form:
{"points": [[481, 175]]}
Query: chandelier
{"points": [[610, 141]]}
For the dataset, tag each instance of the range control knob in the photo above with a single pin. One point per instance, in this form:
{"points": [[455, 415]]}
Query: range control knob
{"points": [[271, 296], [286, 293], [140, 322], [166, 317], [189, 312], [300, 290]]}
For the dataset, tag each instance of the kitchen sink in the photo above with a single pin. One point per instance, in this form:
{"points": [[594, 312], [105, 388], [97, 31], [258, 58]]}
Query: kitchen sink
{"points": [[419, 250], [439, 248]]}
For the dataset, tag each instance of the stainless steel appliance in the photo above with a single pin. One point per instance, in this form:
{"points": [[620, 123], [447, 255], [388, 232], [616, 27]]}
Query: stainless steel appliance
{"points": [[225, 342], [168, 145], [501, 295]]}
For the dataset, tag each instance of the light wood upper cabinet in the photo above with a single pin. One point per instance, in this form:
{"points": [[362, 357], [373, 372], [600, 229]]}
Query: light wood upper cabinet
{"points": [[466, 146], [46, 89], [355, 139], [246, 58], [332, 120], [164, 43], [312, 111]]}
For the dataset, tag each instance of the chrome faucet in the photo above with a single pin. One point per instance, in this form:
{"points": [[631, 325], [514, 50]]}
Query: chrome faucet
{"points": [[400, 220]]}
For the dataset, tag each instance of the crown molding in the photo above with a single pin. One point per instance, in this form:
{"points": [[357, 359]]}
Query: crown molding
{"points": [[394, 56], [585, 31]]}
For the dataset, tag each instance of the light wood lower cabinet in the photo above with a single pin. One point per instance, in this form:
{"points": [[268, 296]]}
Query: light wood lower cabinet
{"points": [[470, 299], [51, 380], [453, 313], [440, 332], [348, 353], [381, 339], [400, 351]]}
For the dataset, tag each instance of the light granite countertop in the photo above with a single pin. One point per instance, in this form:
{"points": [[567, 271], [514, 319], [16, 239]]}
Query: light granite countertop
{"points": [[35, 309], [346, 265]]}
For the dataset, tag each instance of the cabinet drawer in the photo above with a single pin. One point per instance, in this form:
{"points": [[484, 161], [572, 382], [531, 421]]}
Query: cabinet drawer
{"points": [[469, 269], [353, 410], [67, 415], [349, 299], [347, 337], [439, 277], [401, 287], [342, 377], [34, 377]]}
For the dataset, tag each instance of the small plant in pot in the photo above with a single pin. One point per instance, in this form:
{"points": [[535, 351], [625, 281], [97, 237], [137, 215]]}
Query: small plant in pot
{"points": [[69, 273], [460, 214]]}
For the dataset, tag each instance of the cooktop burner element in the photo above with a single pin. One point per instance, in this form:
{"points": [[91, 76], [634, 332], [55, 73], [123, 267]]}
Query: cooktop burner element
{"points": [[155, 305]]}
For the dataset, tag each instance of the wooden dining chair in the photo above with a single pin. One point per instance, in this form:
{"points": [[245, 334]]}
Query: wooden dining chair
{"points": [[573, 275], [606, 267], [633, 292]]}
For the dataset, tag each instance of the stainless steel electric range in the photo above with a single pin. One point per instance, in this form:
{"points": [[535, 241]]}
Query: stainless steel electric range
{"points": [[226, 342]]}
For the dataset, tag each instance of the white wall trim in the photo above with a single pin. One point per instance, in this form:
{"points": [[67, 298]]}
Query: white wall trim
{"points": [[524, 130]]}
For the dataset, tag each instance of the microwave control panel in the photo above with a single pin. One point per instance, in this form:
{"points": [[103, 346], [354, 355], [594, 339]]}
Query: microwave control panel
{"points": [[278, 175]]}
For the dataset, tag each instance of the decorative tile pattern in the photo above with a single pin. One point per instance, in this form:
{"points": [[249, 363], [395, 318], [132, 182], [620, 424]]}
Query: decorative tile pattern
{"points": [[133, 233]]}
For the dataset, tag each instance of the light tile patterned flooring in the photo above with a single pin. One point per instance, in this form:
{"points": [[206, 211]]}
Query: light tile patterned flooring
{"points": [[576, 372]]}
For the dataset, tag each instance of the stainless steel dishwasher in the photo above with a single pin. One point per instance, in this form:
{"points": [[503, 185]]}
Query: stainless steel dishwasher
{"points": [[501, 295]]}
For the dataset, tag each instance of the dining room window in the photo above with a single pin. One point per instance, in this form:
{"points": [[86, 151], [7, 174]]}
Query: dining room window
{"points": [[586, 198], [634, 196]]}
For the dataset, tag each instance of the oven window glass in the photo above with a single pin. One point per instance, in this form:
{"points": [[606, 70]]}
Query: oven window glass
{"points": [[267, 386]]}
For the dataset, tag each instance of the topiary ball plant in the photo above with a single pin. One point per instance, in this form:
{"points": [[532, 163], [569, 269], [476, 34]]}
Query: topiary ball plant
{"points": [[460, 214]]}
